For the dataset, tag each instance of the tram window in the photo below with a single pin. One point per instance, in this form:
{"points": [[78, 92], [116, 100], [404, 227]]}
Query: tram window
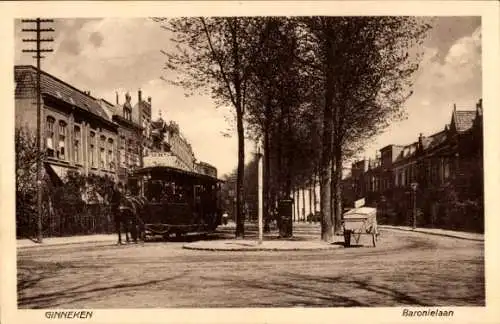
{"points": [[153, 190], [168, 192]]}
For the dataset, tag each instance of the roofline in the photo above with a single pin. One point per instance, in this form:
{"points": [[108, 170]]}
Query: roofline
{"points": [[109, 122], [173, 169], [56, 78], [391, 145], [107, 102]]}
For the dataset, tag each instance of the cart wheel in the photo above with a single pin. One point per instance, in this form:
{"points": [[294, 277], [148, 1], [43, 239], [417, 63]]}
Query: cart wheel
{"points": [[374, 239]]}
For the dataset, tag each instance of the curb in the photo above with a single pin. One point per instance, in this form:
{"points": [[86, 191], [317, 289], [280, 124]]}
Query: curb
{"points": [[42, 245], [430, 233], [258, 248]]}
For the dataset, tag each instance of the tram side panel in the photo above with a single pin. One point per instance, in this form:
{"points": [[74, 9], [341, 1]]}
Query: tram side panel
{"points": [[177, 205]]}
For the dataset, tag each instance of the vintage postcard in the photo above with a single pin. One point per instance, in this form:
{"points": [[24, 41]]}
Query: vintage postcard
{"points": [[250, 162]]}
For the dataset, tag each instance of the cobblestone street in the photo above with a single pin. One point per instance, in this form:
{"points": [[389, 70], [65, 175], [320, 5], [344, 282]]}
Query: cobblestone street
{"points": [[404, 269]]}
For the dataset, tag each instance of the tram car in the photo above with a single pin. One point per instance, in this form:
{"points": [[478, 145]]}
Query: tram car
{"points": [[179, 201]]}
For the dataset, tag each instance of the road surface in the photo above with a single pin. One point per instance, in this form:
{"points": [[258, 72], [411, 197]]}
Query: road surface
{"points": [[404, 269]]}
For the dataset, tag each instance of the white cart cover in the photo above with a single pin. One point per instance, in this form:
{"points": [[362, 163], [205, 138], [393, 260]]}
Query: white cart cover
{"points": [[361, 220]]}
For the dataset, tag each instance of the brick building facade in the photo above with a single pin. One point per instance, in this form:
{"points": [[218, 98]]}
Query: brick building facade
{"points": [[76, 132], [93, 136], [133, 132], [447, 168]]}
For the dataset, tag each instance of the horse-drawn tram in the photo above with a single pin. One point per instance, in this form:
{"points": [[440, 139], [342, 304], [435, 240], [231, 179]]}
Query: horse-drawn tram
{"points": [[178, 201]]}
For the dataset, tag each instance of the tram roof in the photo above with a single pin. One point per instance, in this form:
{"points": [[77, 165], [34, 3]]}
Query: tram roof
{"points": [[171, 170]]}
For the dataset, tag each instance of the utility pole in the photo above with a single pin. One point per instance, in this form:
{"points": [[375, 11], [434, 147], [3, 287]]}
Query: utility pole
{"points": [[38, 51], [260, 193]]}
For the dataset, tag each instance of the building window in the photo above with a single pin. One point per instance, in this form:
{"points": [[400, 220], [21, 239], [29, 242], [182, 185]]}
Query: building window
{"points": [[102, 157], [62, 141], [121, 152], [77, 144], [102, 153], [131, 155], [123, 159], [446, 169], [110, 158], [434, 171], [49, 136], [92, 149]]}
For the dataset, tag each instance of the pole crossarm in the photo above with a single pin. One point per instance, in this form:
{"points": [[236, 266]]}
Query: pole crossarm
{"points": [[37, 50], [38, 40], [36, 20], [37, 30]]}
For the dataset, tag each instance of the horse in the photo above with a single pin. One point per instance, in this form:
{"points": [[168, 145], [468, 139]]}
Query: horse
{"points": [[140, 209], [125, 219], [128, 211]]}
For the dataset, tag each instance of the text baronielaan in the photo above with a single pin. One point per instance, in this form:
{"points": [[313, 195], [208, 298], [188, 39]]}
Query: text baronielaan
{"points": [[427, 313]]}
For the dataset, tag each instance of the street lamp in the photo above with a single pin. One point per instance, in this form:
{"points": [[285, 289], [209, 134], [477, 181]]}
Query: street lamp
{"points": [[414, 186]]}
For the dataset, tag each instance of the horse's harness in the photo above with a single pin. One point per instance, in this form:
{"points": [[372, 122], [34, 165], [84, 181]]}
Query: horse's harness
{"points": [[133, 204]]}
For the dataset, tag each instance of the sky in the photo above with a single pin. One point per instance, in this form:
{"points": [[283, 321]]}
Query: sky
{"points": [[110, 55]]}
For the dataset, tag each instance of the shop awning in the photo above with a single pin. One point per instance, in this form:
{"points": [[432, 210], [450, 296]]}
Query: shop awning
{"points": [[57, 172]]}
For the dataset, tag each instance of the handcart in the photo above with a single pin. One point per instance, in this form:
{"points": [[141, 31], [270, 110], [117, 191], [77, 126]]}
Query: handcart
{"points": [[360, 221]]}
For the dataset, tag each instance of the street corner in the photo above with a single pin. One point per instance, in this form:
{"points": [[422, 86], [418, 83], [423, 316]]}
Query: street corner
{"points": [[251, 245]]}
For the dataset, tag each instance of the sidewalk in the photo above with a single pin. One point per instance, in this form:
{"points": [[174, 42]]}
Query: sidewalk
{"points": [[441, 232], [56, 241]]}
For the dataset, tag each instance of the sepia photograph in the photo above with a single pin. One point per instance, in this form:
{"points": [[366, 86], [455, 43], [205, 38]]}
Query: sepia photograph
{"points": [[249, 161]]}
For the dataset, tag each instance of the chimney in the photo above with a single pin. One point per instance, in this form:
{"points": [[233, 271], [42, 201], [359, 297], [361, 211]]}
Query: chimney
{"points": [[139, 96], [479, 105], [420, 137], [117, 98], [149, 100]]}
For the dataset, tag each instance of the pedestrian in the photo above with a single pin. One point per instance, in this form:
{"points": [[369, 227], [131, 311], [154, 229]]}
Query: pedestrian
{"points": [[116, 200]]}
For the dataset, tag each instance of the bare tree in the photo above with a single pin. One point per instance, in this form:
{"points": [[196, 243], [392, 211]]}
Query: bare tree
{"points": [[214, 54]]}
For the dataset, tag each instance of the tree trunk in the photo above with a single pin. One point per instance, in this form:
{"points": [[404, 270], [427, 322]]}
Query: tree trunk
{"points": [[310, 204], [325, 179], [337, 193], [315, 199], [326, 162], [332, 189], [267, 171], [324, 191], [296, 204], [240, 220], [303, 205]]}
